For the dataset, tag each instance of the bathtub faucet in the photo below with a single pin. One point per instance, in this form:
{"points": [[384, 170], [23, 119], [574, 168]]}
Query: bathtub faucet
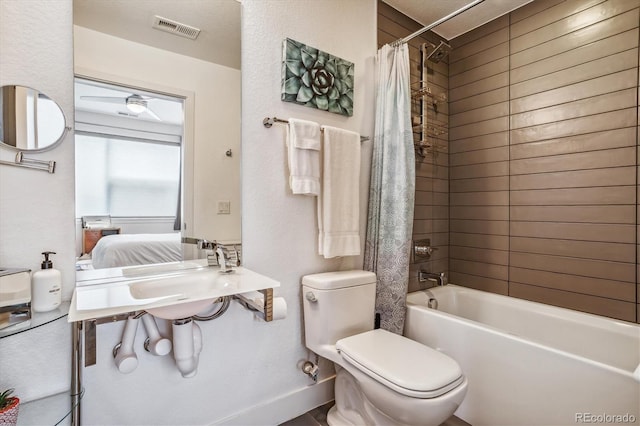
{"points": [[440, 279]]}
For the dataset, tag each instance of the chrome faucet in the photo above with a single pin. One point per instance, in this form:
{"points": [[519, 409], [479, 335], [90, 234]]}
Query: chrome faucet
{"points": [[209, 248], [225, 261], [440, 279], [217, 254]]}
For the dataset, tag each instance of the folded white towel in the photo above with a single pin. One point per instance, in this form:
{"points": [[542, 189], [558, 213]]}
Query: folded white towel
{"points": [[339, 200], [303, 142]]}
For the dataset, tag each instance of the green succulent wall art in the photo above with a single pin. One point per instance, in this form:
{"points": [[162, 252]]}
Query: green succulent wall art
{"points": [[316, 79]]}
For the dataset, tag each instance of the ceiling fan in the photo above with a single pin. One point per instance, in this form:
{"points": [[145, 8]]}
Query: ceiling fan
{"points": [[135, 103]]}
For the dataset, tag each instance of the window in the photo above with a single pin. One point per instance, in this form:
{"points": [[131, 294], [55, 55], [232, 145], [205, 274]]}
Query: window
{"points": [[128, 160], [121, 177]]}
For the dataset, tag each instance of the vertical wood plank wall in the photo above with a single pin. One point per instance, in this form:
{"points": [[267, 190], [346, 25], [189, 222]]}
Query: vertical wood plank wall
{"points": [[431, 213], [544, 159]]}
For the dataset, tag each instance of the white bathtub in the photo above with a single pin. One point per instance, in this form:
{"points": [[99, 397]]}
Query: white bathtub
{"points": [[529, 363]]}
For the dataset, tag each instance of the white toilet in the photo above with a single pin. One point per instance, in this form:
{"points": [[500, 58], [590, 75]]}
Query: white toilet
{"points": [[382, 378]]}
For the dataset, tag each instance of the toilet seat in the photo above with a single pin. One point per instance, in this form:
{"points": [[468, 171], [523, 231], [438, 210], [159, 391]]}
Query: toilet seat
{"points": [[408, 367]]}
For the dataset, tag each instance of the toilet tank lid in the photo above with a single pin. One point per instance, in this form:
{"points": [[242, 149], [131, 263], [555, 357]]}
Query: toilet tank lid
{"points": [[338, 279]]}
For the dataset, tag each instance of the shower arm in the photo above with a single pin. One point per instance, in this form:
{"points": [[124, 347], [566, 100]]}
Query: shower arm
{"points": [[436, 23]]}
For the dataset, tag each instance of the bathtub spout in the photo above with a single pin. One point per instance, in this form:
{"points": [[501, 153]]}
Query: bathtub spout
{"points": [[440, 279]]}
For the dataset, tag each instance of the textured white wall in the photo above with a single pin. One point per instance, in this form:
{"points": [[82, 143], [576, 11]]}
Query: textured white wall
{"points": [[281, 239], [36, 213], [36, 208], [249, 370]]}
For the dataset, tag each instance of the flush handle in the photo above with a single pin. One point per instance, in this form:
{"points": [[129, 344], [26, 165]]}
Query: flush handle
{"points": [[311, 297]]}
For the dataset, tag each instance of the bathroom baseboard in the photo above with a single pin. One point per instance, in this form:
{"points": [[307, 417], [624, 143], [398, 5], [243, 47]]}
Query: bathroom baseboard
{"points": [[284, 408]]}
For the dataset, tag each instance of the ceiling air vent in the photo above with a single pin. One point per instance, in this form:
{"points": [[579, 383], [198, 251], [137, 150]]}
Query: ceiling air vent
{"points": [[175, 27]]}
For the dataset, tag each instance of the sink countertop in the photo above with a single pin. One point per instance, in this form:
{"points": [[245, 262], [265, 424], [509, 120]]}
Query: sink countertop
{"points": [[105, 297]]}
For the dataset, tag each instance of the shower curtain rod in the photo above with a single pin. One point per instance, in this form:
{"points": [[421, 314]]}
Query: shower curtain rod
{"points": [[436, 23]]}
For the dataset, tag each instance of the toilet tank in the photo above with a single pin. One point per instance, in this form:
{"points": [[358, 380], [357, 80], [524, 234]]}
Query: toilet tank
{"points": [[337, 305]]}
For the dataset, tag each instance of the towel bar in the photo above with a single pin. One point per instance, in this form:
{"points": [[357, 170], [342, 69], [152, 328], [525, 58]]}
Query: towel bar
{"points": [[269, 121]]}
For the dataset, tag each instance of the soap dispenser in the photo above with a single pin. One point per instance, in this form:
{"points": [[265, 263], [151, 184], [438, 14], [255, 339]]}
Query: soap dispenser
{"points": [[46, 286]]}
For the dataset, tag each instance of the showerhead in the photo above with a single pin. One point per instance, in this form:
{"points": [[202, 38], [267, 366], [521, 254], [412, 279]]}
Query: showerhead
{"points": [[439, 53]]}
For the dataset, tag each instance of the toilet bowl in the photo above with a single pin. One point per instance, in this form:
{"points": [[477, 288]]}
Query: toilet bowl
{"points": [[381, 378], [401, 382]]}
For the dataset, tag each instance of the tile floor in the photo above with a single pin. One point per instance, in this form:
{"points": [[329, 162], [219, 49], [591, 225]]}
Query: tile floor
{"points": [[315, 417], [318, 417]]}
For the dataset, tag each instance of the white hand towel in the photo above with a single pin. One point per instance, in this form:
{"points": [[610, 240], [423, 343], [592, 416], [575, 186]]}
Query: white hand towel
{"points": [[339, 200], [303, 142]]}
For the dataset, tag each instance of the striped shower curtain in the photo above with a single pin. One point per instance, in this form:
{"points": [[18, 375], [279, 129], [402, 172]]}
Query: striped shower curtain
{"points": [[392, 190]]}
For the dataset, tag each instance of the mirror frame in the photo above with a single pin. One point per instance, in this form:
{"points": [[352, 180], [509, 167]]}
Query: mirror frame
{"points": [[65, 127]]}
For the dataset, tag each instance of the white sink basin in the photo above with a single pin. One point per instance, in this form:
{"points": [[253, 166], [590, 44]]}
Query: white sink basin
{"points": [[180, 310], [178, 295], [137, 271], [189, 287]]}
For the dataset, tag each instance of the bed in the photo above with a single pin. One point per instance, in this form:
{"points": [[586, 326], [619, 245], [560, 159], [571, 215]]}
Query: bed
{"points": [[136, 249]]}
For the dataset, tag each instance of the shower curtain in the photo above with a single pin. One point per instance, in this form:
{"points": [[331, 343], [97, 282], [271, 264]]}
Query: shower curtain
{"points": [[392, 190]]}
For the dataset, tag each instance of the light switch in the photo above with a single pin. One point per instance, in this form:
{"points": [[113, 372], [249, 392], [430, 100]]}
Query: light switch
{"points": [[224, 207]]}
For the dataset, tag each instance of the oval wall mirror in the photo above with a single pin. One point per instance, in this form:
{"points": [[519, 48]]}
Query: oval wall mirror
{"points": [[30, 120]]}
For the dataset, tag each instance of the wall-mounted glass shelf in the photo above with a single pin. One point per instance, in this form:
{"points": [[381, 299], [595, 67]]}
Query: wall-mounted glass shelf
{"points": [[38, 319], [53, 410]]}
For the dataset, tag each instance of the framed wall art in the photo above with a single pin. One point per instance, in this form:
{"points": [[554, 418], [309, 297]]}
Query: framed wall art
{"points": [[316, 79]]}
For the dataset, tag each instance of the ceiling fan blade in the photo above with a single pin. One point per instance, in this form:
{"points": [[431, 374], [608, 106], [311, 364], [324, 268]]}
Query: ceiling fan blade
{"points": [[108, 99], [153, 114]]}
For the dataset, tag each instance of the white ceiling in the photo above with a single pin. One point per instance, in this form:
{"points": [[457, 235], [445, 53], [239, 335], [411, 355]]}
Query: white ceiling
{"points": [[426, 12], [219, 20]]}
